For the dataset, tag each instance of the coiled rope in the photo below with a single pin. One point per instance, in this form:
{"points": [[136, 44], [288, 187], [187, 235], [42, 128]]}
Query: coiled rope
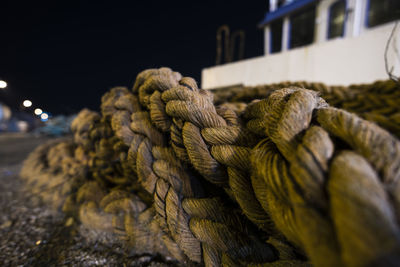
{"points": [[287, 180], [377, 102]]}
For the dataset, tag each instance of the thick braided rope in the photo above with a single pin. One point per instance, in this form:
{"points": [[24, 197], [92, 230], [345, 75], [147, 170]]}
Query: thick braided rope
{"points": [[169, 138], [57, 169], [210, 138], [337, 202], [100, 202], [194, 120], [129, 216], [88, 211], [378, 102], [211, 228], [188, 112], [45, 175]]}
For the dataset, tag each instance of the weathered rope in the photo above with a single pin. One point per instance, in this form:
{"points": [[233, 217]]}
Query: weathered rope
{"points": [[273, 182], [377, 102], [300, 155]]}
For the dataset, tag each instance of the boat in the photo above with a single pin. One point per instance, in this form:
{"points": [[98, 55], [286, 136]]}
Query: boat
{"points": [[336, 42]]}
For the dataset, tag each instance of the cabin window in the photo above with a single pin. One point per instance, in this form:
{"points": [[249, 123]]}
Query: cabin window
{"points": [[302, 28], [281, 3], [337, 15], [276, 36], [284, 2], [382, 11]]}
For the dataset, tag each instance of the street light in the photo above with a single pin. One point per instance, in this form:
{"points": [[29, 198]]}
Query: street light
{"points": [[3, 84], [38, 111], [44, 116], [27, 103]]}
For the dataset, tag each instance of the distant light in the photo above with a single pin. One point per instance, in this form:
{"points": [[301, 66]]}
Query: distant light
{"points": [[38, 111], [27, 103], [5, 113], [44, 116], [23, 126], [3, 84]]}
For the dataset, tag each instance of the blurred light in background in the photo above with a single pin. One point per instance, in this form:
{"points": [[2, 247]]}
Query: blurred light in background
{"points": [[44, 116], [38, 111], [27, 103], [3, 84], [23, 126], [5, 113]]}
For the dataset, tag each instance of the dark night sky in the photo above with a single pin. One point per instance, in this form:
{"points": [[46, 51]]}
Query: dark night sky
{"points": [[64, 55]]}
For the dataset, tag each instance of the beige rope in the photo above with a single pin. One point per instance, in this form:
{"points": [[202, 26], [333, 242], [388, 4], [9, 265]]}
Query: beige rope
{"points": [[377, 102], [275, 182]]}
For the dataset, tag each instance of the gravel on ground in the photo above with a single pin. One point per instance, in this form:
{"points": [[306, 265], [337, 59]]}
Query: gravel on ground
{"points": [[32, 234]]}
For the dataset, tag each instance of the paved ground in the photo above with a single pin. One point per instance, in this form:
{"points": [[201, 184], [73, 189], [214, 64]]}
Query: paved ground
{"points": [[33, 235]]}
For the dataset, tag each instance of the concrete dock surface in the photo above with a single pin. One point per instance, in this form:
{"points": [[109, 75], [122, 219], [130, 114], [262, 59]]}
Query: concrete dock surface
{"points": [[32, 234]]}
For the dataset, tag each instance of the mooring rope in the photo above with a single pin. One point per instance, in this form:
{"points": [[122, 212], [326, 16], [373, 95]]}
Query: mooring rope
{"points": [[286, 180], [377, 102]]}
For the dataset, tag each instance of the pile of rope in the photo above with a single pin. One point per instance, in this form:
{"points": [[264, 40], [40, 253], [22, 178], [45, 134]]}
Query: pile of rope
{"points": [[285, 180], [377, 102]]}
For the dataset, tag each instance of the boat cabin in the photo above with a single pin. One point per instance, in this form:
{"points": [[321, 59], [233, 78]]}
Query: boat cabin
{"points": [[338, 42]]}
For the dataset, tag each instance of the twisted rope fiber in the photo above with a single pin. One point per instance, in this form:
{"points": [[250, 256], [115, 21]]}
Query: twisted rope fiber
{"points": [[274, 182], [377, 102]]}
